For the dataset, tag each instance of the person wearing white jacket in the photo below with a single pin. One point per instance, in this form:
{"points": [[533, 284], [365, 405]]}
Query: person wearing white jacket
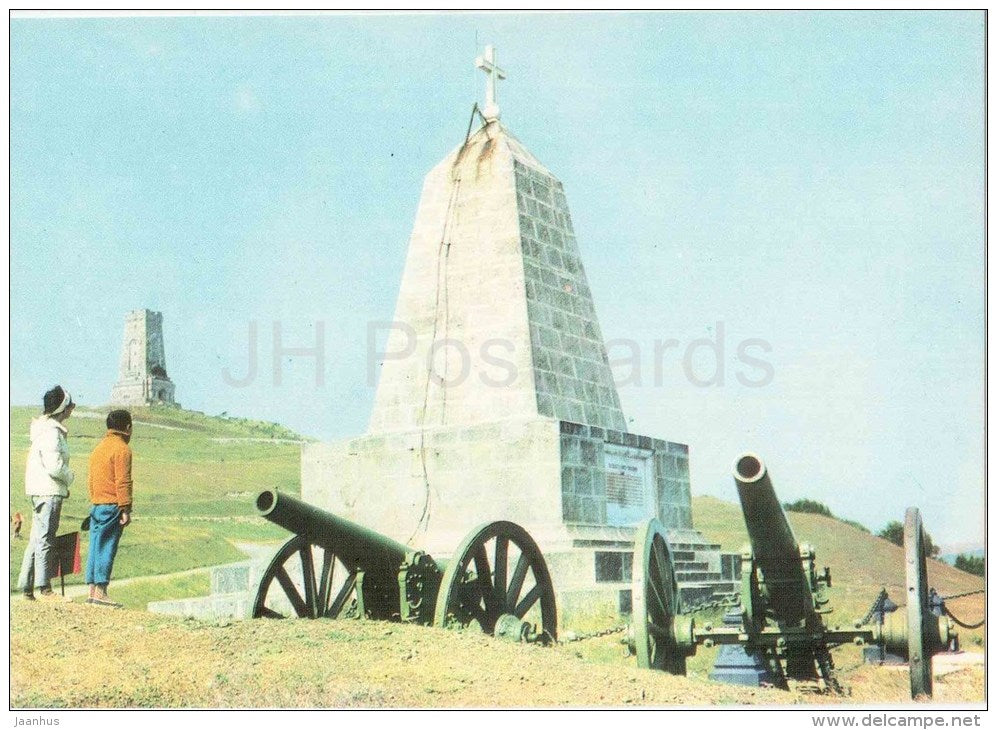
{"points": [[47, 479]]}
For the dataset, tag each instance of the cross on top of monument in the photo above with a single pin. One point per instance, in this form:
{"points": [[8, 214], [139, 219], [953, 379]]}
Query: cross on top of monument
{"points": [[486, 63]]}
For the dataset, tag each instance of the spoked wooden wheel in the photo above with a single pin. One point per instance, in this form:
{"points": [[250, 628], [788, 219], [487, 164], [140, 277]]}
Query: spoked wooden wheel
{"points": [[918, 622], [655, 601], [305, 580], [497, 571]]}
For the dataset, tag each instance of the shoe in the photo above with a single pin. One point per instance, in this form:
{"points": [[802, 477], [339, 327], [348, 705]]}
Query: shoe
{"points": [[28, 596], [107, 602], [52, 597]]}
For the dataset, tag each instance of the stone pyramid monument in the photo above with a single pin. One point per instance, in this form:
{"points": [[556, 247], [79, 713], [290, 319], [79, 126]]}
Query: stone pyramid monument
{"points": [[496, 399], [495, 279], [142, 377]]}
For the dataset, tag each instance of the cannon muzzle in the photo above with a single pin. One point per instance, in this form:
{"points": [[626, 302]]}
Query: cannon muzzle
{"points": [[775, 551], [356, 546]]}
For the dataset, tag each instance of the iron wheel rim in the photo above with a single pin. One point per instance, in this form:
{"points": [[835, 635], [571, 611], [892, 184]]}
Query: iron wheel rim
{"points": [[477, 584], [312, 593]]}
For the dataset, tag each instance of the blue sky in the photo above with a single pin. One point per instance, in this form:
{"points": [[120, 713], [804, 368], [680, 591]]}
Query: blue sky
{"points": [[813, 180]]}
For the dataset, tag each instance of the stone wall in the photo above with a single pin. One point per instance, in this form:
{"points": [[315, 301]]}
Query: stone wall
{"points": [[573, 378], [584, 475], [429, 489], [143, 391]]}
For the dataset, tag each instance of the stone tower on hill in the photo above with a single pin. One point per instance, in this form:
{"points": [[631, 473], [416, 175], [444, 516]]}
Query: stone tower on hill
{"points": [[496, 400], [142, 377]]}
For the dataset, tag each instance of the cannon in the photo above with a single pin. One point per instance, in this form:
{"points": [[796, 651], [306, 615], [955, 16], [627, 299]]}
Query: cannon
{"points": [[496, 580], [783, 600]]}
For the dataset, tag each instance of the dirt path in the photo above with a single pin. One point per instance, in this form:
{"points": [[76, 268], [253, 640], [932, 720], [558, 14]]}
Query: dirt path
{"points": [[81, 590], [254, 440], [101, 416]]}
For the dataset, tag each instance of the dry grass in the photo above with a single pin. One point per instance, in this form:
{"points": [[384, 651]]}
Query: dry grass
{"points": [[158, 661], [166, 662]]}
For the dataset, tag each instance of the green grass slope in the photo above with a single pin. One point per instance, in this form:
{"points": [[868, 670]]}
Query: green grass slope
{"points": [[195, 478]]}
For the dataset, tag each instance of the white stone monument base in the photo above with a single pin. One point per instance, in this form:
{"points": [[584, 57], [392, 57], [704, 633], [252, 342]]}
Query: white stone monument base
{"points": [[144, 391], [577, 489]]}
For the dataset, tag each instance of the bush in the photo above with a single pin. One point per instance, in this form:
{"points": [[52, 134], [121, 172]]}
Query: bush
{"points": [[894, 532], [809, 506], [972, 564], [856, 525], [813, 507]]}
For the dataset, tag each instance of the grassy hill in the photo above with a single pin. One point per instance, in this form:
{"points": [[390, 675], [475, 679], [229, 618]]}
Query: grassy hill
{"points": [[195, 479], [196, 476]]}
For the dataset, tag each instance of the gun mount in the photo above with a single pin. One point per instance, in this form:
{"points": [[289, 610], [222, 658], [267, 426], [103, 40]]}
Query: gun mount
{"points": [[334, 568], [783, 599]]}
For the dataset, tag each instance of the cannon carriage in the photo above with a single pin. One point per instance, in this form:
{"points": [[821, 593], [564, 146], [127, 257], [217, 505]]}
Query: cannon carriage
{"points": [[783, 600], [496, 580]]}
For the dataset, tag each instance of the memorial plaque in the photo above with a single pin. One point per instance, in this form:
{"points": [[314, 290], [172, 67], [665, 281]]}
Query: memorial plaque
{"points": [[629, 498]]}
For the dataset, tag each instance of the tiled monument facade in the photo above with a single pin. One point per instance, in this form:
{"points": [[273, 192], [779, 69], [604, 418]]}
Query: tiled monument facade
{"points": [[573, 380]]}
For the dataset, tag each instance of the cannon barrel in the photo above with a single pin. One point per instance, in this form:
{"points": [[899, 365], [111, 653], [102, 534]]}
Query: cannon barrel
{"points": [[358, 547], [776, 552]]}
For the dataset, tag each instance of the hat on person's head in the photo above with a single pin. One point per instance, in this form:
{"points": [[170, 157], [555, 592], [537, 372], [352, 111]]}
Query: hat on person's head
{"points": [[56, 401]]}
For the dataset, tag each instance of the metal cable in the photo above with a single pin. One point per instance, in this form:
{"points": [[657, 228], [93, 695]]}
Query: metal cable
{"points": [[877, 607], [963, 595], [963, 624], [595, 634]]}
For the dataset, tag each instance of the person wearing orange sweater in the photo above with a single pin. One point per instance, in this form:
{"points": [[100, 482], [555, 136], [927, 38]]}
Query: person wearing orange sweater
{"points": [[110, 485]]}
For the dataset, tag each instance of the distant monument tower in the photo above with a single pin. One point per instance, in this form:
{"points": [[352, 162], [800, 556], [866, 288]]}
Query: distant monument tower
{"points": [[142, 378]]}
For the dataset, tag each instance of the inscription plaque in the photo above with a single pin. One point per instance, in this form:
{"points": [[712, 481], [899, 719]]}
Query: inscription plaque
{"points": [[629, 498]]}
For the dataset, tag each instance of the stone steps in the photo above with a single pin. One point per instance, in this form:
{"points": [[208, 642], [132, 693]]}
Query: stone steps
{"points": [[233, 588]]}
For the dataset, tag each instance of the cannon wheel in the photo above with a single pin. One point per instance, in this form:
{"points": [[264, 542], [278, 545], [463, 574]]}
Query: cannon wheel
{"points": [[478, 585], [918, 649], [307, 580], [655, 601]]}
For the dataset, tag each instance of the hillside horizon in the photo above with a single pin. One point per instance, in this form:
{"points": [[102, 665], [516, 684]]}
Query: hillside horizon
{"points": [[161, 415], [196, 478]]}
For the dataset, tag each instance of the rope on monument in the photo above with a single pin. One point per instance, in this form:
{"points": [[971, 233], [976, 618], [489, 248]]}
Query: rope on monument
{"points": [[441, 251], [470, 123], [452, 210], [442, 260]]}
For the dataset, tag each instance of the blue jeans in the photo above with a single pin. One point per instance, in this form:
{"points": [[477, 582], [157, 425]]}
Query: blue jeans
{"points": [[37, 567], [105, 532]]}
